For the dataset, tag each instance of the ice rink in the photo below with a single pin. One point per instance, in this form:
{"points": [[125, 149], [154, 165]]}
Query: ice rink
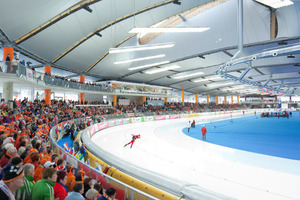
{"points": [[165, 149]]}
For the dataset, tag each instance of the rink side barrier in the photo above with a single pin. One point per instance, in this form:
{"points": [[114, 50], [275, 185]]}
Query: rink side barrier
{"points": [[92, 170], [124, 178], [134, 175]]}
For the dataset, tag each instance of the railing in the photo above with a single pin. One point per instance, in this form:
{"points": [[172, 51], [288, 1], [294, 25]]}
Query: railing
{"points": [[130, 192], [40, 78]]}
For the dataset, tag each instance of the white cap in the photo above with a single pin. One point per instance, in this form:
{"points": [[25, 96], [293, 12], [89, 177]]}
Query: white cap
{"points": [[48, 164]]}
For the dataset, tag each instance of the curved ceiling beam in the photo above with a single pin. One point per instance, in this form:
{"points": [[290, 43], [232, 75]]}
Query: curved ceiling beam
{"points": [[55, 19], [106, 26]]}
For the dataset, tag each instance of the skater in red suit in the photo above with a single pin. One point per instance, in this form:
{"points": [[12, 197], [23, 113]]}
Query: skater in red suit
{"points": [[134, 137]]}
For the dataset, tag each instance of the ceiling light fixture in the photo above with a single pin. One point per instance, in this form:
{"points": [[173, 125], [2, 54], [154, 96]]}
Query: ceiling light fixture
{"points": [[141, 48], [275, 3], [87, 9], [99, 34], [139, 59], [177, 2], [220, 84], [187, 75], [158, 70], [206, 79], [169, 30], [149, 65]]}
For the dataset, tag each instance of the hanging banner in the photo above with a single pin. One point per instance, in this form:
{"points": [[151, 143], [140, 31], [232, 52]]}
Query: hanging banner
{"points": [[29, 74]]}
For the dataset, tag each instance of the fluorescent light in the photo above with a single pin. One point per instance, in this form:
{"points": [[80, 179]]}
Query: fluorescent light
{"points": [[237, 88], [188, 75], [220, 84], [149, 65], [154, 71], [139, 59], [169, 30], [276, 3], [141, 48], [207, 79]]}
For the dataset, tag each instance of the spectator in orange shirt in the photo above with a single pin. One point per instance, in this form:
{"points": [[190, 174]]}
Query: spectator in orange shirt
{"points": [[28, 157], [70, 175], [78, 179], [38, 172]]}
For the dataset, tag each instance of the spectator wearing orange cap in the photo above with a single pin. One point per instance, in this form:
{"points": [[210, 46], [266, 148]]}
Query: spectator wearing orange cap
{"points": [[70, 176]]}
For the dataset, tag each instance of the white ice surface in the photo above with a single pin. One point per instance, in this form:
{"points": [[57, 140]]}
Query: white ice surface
{"points": [[165, 149]]}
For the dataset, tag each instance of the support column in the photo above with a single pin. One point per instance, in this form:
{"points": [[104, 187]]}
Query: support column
{"points": [[8, 88], [166, 98], [217, 99], [48, 70], [238, 99], [48, 96], [207, 98], [115, 100], [81, 98], [48, 91], [272, 24], [8, 51], [232, 99], [196, 96], [82, 95], [182, 95], [225, 100]]}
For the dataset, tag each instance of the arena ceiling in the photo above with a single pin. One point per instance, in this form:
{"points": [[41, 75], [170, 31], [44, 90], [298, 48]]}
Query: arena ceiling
{"points": [[75, 36]]}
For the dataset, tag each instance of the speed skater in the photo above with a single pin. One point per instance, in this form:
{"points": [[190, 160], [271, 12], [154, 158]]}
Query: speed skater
{"points": [[134, 137]]}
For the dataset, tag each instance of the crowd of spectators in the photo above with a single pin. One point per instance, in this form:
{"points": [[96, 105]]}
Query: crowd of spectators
{"points": [[29, 168], [177, 107]]}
